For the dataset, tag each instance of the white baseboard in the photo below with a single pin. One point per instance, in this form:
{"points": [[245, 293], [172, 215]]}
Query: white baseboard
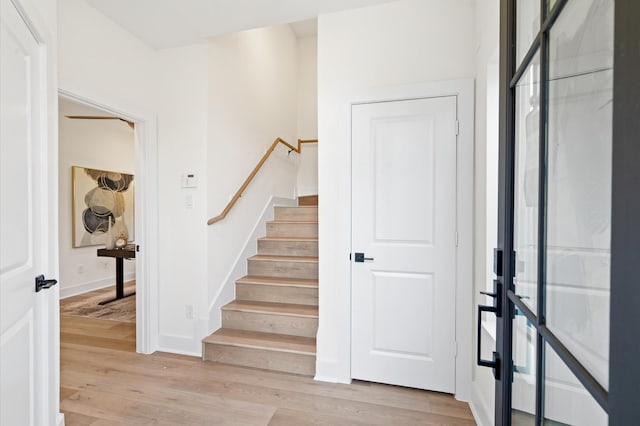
{"points": [[60, 419], [329, 371], [181, 345], [92, 285]]}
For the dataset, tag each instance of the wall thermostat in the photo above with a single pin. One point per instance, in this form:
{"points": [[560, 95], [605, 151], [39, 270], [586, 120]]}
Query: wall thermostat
{"points": [[189, 180]]}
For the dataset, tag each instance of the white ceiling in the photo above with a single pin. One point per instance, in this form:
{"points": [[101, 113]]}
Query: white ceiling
{"points": [[171, 23]]}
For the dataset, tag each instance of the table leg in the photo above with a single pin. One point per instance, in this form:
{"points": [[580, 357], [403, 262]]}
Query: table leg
{"points": [[119, 283], [119, 278]]}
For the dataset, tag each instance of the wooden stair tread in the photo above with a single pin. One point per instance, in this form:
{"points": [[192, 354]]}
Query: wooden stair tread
{"points": [[264, 341], [288, 309], [294, 239], [274, 258], [296, 207], [289, 282], [295, 222]]}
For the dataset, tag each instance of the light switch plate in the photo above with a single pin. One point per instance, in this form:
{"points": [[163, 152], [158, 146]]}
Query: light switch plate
{"points": [[189, 180]]}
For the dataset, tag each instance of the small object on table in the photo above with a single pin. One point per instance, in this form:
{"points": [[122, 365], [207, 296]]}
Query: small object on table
{"points": [[120, 242], [127, 252]]}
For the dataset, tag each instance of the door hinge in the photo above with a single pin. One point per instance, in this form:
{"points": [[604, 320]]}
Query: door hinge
{"points": [[457, 127], [456, 239], [455, 349]]}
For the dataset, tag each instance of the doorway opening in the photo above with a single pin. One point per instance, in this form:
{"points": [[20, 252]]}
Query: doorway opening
{"points": [[97, 184]]}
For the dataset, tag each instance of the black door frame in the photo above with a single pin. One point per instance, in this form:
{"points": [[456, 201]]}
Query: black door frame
{"points": [[621, 400]]}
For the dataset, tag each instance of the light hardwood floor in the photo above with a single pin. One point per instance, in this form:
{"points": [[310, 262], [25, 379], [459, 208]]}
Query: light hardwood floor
{"points": [[104, 382]]}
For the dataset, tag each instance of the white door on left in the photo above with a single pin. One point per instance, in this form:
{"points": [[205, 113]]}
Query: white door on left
{"points": [[24, 377]]}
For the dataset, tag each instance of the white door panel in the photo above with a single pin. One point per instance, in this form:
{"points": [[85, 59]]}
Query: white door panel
{"points": [[21, 216], [404, 217]]}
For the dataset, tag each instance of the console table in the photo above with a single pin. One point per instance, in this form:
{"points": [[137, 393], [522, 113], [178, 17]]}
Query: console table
{"points": [[129, 252]]}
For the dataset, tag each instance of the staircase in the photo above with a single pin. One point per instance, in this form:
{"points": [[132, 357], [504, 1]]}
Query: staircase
{"points": [[273, 321]]}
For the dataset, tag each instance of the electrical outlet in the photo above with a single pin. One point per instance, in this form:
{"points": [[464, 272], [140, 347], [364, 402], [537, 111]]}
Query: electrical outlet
{"points": [[188, 311]]}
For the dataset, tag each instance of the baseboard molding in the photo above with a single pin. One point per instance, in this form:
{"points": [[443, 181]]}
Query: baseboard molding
{"points": [[478, 405], [60, 419], [329, 371], [92, 285], [227, 291], [181, 345]]}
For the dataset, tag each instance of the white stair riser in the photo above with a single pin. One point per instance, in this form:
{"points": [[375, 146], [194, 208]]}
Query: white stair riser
{"points": [[292, 229], [260, 358], [309, 214], [270, 323], [288, 248], [277, 294], [283, 269]]}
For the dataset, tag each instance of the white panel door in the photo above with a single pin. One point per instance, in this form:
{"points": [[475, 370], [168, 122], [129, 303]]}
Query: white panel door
{"points": [[22, 211], [404, 218]]}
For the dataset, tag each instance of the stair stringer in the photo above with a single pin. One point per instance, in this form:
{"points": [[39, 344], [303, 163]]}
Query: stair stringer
{"points": [[227, 291]]}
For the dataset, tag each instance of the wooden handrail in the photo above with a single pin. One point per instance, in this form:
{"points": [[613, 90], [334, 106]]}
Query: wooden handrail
{"points": [[255, 171]]}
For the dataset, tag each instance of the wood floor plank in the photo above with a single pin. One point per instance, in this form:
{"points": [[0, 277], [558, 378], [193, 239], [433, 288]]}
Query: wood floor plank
{"points": [[286, 417], [103, 385]]}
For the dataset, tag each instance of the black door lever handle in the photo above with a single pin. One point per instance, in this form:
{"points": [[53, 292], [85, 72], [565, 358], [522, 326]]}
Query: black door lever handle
{"points": [[41, 283], [360, 258]]}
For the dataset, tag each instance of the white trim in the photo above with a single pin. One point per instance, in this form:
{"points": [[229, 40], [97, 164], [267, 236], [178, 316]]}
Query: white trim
{"points": [[331, 372], [91, 285], [147, 264], [464, 91], [60, 419], [181, 345]]}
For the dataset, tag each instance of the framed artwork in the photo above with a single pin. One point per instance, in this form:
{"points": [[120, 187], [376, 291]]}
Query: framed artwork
{"points": [[102, 200]]}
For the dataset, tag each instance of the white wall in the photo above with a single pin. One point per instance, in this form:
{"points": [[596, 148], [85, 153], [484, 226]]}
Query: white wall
{"points": [[307, 58], [400, 43], [307, 69], [487, 23], [97, 144], [100, 61], [252, 100]]}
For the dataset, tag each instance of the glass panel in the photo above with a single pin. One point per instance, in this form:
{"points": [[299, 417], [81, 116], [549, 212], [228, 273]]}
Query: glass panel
{"points": [[525, 199], [523, 389], [579, 182], [566, 401], [581, 40], [527, 26]]}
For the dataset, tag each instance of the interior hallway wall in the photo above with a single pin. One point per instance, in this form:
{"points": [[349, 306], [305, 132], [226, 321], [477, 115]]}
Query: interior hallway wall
{"points": [[487, 24], [307, 59], [252, 100], [394, 44], [101, 61]]}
